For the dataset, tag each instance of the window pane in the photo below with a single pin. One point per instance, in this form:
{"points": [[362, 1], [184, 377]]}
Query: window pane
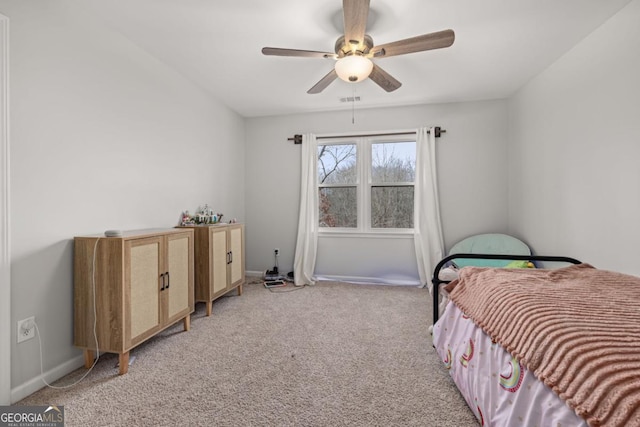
{"points": [[393, 162], [337, 164], [338, 207], [392, 207]]}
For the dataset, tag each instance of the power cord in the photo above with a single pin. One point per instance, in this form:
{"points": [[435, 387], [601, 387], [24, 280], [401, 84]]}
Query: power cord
{"points": [[95, 330], [282, 291]]}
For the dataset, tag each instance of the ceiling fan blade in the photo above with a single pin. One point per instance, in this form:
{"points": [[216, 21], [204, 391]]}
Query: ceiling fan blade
{"points": [[324, 82], [276, 51], [384, 79], [429, 41], [355, 13]]}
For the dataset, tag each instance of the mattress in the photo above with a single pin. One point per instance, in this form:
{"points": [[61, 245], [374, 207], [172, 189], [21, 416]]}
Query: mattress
{"points": [[499, 390]]}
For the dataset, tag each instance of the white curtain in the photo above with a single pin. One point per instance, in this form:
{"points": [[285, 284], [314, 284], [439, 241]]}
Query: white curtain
{"points": [[427, 225], [304, 261]]}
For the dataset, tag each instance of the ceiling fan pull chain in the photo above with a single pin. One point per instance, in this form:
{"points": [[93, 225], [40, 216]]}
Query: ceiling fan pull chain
{"points": [[353, 106]]}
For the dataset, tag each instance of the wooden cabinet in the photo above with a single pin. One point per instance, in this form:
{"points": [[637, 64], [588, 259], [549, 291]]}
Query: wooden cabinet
{"points": [[139, 284], [219, 252]]}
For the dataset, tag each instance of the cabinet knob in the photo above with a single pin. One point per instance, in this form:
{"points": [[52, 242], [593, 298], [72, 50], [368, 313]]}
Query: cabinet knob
{"points": [[162, 287]]}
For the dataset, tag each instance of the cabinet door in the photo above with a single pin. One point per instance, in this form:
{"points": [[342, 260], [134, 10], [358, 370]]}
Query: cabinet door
{"points": [[179, 277], [219, 259], [236, 267], [143, 263]]}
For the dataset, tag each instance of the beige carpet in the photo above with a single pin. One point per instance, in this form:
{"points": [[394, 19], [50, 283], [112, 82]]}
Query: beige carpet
{"points": [[329, 355]]}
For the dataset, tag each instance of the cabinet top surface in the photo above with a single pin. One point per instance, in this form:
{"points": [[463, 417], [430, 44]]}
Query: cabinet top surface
{"points": [[128, 234], [221, 224]]}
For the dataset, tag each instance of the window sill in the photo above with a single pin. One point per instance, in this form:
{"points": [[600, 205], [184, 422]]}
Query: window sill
{"points": [[373, 234]]}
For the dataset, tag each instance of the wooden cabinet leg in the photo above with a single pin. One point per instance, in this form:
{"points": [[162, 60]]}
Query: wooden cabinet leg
{"points": [[89, 357], [240, 290], [123, 362], [187, 322], [209, 306]]}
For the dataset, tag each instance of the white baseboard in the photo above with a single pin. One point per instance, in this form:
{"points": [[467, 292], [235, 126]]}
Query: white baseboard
{"points": [[369, 280], [35, 384], [356, 279], [254, 273]]}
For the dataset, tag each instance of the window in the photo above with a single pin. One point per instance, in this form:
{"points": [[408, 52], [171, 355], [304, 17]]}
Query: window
{"points": [[337, 181], [393, 171], [367, 184]]}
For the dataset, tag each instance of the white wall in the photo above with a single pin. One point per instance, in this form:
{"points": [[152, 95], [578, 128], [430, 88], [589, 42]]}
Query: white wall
{"points": [[103, 136], [5, 261], [472, 178], [574, 150]]}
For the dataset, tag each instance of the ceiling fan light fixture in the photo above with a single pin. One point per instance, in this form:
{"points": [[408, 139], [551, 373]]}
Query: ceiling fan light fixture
{"points": [[353, 68]]}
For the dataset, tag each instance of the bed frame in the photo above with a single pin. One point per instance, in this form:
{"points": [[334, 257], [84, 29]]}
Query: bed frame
{"points": [[436, 272]]}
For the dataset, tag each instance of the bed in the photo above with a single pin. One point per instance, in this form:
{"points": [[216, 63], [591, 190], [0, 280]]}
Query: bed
{"points": [[540, 347]]}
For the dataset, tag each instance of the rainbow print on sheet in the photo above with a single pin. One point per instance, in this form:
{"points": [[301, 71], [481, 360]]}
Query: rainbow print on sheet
{"points": [[468, 354], [447, 360], [479, 415], [513, 379]]}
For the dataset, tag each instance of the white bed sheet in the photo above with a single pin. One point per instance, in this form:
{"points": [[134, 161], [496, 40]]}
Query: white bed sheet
{"points": [[498, 389]]}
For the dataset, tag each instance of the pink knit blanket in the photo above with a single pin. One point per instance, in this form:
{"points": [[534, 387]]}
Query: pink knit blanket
{"points": [[577, 329]]}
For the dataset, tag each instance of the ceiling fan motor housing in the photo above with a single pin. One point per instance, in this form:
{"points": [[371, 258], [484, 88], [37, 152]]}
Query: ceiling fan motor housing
{"points": [[344, 48]]}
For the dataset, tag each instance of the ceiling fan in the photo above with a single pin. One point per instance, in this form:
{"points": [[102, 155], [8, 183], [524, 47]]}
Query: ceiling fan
{"points": [[354, 50]]}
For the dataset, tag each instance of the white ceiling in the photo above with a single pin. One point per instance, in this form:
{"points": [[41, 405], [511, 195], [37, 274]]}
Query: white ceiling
{"points": [[499, 46]]}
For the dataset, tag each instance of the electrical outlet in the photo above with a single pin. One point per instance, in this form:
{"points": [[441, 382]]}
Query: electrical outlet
{"points": [[26, 329], [276, 251]]}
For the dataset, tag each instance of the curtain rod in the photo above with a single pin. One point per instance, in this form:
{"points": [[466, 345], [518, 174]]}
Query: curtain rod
{"points": [[297, 139]]}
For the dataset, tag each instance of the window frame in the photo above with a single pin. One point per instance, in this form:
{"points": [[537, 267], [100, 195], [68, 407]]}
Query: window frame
{"points": [[364, 184]]}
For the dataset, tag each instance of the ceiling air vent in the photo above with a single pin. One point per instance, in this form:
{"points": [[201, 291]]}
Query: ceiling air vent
{"points": [[350, 99]]}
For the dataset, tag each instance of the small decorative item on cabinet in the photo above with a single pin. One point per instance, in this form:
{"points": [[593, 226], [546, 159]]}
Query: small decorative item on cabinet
{"points": [[186, 219], [204, 215]]}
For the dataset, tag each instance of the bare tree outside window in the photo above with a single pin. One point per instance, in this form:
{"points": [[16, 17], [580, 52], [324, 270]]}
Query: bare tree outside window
{"points": [[393, 170], [337, 179]]}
